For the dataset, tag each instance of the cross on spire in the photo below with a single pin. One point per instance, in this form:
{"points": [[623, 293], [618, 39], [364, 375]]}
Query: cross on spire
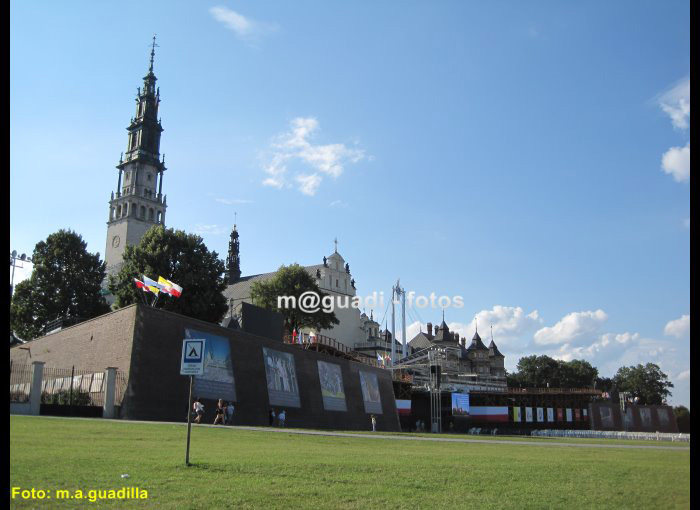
{"points": [[153, 52]]}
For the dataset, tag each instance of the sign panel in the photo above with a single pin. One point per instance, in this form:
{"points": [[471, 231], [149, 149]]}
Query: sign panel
{"points": [[540, 414], [528, 414], [282, 386], [370, 392], [332, 390], [216, 380], [460, 404], [550, 414], [192, 362]]}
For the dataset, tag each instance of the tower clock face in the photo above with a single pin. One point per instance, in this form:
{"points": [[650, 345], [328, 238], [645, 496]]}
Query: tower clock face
{"points": [[115, 241]]}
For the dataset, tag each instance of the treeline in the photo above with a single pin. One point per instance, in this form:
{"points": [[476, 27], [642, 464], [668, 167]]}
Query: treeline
{"points": [[647, 384]]}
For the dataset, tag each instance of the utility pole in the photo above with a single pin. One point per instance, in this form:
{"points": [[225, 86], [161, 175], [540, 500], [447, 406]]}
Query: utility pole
{"points": [[393, 327], [404, 350]]}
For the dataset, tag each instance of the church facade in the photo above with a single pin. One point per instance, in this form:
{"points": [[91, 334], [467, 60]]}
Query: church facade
{"points": [[138, 203], [333, 277]]}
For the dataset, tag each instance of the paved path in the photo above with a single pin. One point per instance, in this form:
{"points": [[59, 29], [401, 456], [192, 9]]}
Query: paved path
{"points": [[402, 437]]}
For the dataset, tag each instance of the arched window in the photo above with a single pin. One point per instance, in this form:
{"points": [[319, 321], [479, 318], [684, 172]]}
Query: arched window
{"points": [[143, 212], [150, 214], [160, 217]]}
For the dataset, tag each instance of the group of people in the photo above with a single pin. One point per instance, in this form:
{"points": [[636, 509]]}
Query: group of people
{"points": [[281, 417], [223, 412]]}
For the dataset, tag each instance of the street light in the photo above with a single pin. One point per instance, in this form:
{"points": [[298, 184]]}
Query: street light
{"points": [[13, 264]]}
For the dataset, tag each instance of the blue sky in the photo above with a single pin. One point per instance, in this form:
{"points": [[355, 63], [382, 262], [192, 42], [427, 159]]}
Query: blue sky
{"points": [[532, 157]]}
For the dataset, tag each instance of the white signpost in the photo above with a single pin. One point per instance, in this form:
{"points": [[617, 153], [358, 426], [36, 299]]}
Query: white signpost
{"points": [[192, 363]]}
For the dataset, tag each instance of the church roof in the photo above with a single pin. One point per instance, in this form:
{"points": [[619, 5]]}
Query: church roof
{"points": [[493, 350], [240, 290], [477, 343]]}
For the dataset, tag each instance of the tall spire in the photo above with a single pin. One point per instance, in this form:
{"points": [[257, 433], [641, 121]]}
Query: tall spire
{"points": [[233, 262], [153, 53]]}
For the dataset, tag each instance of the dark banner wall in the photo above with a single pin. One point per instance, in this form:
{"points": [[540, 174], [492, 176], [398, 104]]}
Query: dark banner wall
{"points": [[157, 391]]}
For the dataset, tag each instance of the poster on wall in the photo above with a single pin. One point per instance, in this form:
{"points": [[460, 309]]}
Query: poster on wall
{"points": [[577, 414], [528, 414], [606, 416], [663, 415], [550, 414], [585, 414], [460, 404], [332, 390], [217, 380], [560, 414], [282, 387], [629, 419], [370, 392], [516, 414], [645, 415], [569, 416], [540, 414]]}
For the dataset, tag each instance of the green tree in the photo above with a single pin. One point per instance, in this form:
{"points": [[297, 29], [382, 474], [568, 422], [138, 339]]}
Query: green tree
{"points": [[65, 282], [539, 371], [292, 280], [181, 258], [682, 415], [647, 382]]}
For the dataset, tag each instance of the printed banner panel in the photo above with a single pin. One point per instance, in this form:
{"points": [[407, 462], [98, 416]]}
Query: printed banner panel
{"points": [[217, 380], [645, 415], [282, 386], [489, 413], [569, 416], [606, 416], [540, 414], [460, 404], [516, 414], [560, 414], [528, 414], [403, 406], [550, 414], [370, 392], [332, 390]]}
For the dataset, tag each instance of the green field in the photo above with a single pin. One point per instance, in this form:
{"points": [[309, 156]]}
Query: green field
{"points": [[234, 468]]}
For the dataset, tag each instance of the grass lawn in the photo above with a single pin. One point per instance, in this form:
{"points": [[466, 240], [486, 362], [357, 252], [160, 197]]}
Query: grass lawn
{"points": [[235, 468]]}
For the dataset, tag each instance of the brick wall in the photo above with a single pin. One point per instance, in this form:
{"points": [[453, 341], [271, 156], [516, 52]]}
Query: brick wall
{"points": [[91, 345]]}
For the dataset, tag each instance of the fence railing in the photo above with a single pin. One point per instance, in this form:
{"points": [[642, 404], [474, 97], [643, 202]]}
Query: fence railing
{"points": [[612, 434], [307, 341], [20, 382], [72, 386], [120, 387]]}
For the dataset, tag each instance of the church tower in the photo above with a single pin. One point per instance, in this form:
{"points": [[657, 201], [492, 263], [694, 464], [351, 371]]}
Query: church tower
{"points": [[138, 203], [233, 262]]}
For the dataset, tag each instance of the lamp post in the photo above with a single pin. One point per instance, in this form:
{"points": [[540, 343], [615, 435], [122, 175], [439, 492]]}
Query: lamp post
{"points": [[13, 264]]}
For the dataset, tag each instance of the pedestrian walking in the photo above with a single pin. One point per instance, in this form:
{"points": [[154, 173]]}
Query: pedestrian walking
{"points": [[198, 409], [374, 424], [272, 417], [219, 412], [282, 416]]}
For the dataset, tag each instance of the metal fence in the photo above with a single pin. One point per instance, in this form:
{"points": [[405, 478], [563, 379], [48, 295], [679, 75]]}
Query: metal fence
{"points": [[612, 434], [20, 382], [71, 386], [120, 387]]}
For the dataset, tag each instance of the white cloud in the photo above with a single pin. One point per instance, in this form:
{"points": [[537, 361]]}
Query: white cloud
{"points": [[295, 146], [676, 162], [675, 103], [308, 184], [684, 375], [246, 29], [574, 327], [508, 322], [680, 328], [338, 203]]}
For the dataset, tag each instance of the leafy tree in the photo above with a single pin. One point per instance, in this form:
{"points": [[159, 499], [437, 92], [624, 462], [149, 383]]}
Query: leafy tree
{"points": [[292, 280], [539, 371], [65, 282], [647, 382], [682, 415], [605, 384], [181, 258]]}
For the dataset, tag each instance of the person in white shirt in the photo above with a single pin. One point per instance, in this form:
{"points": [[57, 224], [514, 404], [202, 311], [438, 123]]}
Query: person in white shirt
{"points": [[198, 408], [282, 416]]}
